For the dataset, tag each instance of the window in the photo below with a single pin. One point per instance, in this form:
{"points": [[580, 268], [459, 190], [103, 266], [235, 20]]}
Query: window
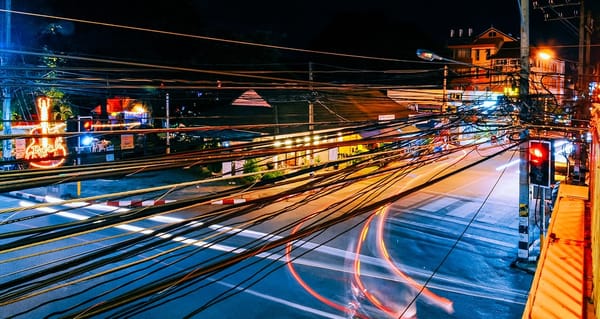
{"points": [[463, 54], [492, 34], [476, 55]]}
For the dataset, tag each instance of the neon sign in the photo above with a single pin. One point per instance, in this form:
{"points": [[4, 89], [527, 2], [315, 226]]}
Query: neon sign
{"points": [[45, 152]]}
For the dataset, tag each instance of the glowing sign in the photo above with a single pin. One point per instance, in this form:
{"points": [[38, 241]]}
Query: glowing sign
{"points": [[45, 152]]}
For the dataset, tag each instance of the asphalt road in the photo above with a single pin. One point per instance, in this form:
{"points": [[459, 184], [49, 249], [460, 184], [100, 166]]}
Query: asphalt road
{"points": [[442, 252]]}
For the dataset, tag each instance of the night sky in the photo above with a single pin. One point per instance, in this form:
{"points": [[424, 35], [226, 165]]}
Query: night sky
{"points": [[389, 29]]}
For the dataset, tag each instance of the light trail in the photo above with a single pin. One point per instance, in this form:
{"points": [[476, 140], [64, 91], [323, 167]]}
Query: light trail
{"points": [[288, 251], [166, 219], [372, 298], [442, 302]]}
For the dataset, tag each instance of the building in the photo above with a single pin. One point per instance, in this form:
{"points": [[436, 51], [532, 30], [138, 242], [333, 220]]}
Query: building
{"points": [[492, 63], [485, 75]]}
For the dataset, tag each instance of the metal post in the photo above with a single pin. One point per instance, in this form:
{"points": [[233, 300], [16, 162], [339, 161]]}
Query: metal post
{"points": [[524, 224], [168, 150], [6, 91], [311, 114], [543, 216], [579, 88], [444, 91], [78, 160]]}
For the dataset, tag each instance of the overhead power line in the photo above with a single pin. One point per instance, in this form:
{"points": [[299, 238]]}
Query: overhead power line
{"points": [[201, 37]]}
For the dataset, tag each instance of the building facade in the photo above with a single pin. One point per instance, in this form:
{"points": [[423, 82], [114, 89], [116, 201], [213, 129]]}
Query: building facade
{"points": [[492, 63]]}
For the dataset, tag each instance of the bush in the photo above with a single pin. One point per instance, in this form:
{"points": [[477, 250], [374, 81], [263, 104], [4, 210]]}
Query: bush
{"points": [[250, 166], [271, 175]]}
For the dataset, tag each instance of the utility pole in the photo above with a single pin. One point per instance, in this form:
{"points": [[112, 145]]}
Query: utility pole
{"points": [[524, 223], [6, 91], [167, 124], [578, 175], [444, 90], [580, 63], [311, 114]]}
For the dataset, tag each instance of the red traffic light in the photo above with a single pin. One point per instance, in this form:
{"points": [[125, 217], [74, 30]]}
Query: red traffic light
{"points": [[85, 123], [540, 163], [538, 152]]}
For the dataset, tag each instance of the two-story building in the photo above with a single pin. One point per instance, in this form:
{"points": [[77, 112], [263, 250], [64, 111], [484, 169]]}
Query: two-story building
{"points": [[491, 62]]}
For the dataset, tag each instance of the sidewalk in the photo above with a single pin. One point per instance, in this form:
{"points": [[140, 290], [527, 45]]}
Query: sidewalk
{"points": [[560, 288]]}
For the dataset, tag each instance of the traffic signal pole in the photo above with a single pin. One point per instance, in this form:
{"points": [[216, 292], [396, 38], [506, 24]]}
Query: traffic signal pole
{"points": [[524, 225]]}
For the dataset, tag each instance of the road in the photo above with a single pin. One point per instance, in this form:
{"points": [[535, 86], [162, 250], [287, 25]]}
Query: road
{"points": [[441, 251]]}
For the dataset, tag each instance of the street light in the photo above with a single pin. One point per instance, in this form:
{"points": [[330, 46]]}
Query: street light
{"points": [[430, 56]]}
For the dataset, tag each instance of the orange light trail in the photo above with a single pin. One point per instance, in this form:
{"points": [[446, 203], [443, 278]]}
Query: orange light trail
{"points": [[444, 303], [357, 279], [288, 250]]}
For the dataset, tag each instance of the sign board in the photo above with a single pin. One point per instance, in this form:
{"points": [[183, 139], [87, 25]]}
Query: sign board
{"points": [[386, 117], [226, 169], [127, 142], [110, 153], [20, 146], [238, 167]]}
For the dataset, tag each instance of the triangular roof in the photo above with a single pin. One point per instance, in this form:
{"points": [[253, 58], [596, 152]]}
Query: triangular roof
{"points": [[290, 108], [492, 32], [489, 37], [250, 98]]}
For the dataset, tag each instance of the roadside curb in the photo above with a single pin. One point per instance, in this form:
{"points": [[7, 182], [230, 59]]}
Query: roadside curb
{"points": [[121, 203], [28, 196], [228, 201], [126, 203], [135, 203]]}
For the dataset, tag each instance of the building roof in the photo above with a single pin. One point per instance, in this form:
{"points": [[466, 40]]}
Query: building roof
{"points": [[489, 37], [495, 42], [289, 109]]}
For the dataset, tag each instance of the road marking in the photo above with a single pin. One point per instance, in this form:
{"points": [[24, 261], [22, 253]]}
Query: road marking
{"points": [[490, 293]]}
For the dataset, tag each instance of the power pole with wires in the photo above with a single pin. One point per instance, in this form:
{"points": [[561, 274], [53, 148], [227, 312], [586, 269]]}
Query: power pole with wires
{"points": [[564, 12], [525, 238]]}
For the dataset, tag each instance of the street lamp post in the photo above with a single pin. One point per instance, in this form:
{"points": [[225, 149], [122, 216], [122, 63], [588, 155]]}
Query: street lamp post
{"points": [[430, 56]]}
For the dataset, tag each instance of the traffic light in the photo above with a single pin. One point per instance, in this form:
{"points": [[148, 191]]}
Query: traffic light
{"points": [[85, 123], [540, 160], [85, 127]]}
